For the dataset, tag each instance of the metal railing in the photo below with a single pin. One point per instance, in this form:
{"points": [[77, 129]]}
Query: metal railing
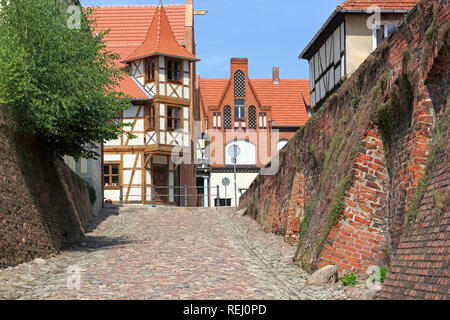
{"points": [[183, 194]]}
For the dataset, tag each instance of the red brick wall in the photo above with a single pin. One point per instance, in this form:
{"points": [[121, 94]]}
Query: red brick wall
{"points": [[421, 267], [42, 207], [357, 240], [384, 174]]}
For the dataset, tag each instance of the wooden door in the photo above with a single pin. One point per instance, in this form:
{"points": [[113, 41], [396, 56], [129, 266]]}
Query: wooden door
{"points": [[161, 179]]}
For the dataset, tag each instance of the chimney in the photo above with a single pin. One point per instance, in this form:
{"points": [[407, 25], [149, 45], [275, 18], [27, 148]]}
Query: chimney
{"points": [[189, 26], [238, 64], [276, 75]]}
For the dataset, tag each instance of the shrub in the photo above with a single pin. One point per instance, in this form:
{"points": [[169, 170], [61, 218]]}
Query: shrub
{"points": [[58, 81], [379, 275], [350, 279]]}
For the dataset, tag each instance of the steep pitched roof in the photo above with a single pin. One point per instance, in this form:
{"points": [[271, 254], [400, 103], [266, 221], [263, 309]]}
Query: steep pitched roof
{"points": [[382, 4], [212, 90], [128, 27], [285, 99], [288, 107], [160, 40]]}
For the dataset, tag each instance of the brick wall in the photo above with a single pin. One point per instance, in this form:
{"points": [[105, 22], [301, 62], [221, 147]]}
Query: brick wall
{"points": [[357, 240], [43, 207], [359, 179], [421, 267]]}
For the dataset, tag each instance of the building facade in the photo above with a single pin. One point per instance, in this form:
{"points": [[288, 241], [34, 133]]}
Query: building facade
{"points": [[348, 37], [258, 116], [158, 51]]}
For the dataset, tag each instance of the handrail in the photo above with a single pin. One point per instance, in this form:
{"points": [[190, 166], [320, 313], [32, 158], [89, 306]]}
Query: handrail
{"points": [[185, 195]]}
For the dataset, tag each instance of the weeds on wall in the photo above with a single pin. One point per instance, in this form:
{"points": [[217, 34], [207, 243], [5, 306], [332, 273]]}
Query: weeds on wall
{"points": [[350, 279], [436, 148]]}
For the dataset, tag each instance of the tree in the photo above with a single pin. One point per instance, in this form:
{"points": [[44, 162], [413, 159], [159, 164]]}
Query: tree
{"points": [[58, 79]]}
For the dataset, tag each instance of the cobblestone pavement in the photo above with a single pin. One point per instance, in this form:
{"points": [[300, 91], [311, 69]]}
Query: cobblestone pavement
{"points": [[170, 253]]}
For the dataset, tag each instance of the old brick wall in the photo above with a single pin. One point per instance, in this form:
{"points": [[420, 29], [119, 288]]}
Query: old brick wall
{"points": [[420, 268], [43, 208], [361, 171]]}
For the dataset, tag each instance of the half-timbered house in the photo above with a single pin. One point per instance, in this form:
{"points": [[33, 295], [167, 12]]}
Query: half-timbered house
{"points": [[347, 38], [156, 45]]}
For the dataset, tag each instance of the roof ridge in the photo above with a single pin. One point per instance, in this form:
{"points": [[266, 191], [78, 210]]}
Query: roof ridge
{"points": [[136, 5], [158, 34]]}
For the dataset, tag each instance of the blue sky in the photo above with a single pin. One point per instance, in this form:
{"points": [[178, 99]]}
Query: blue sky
{"points": [[268, 33]]}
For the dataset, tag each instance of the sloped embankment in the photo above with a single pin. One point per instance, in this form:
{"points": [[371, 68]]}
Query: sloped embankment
{"points": [[351, 179]]}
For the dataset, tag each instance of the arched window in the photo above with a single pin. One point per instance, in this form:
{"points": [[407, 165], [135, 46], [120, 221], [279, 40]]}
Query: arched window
{"points": [[282, 143], [239, 84], [252, 117], [227, 117], [247, 152]]}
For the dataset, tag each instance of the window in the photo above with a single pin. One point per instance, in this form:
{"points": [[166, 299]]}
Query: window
{"points": [[173, 70], [239, 84], [239, 109], [227, 117], [111, 175], [150, 69], [252, 117], [263, 120], [382, 33], [173, 118], [222, 202], [151, 118]]}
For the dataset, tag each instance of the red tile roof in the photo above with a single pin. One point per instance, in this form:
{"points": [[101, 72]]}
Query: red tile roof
{"points": [[128, 27], [160, 41], [288, 108], [212, 90], [382, 4], [129, 24]]}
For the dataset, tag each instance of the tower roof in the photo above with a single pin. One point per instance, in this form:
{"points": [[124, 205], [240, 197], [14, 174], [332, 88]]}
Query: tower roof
{"points": [[160, 40]]}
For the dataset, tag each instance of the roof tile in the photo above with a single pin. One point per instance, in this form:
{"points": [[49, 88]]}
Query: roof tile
{"points": [[382, 4], [288, 108]]}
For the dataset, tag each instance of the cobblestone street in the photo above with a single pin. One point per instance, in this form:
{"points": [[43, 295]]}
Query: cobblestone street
{"points": [[169, 253]]}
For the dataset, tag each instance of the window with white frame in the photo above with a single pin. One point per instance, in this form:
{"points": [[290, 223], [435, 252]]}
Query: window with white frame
{"points": [[381, 33]]}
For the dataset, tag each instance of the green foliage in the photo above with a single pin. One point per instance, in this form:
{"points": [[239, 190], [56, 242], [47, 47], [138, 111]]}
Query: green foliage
{"points": [[83, 185], [58, 80], [338, 208], [251, 210], [355, 103], [379, 275], [398, 105], [92, 194], [438, 145], [384, 81], [350, 279], [307, 218]]}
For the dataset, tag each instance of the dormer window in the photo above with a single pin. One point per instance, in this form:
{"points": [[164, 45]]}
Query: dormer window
{"points": [[173, 70], [150, 69]]}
